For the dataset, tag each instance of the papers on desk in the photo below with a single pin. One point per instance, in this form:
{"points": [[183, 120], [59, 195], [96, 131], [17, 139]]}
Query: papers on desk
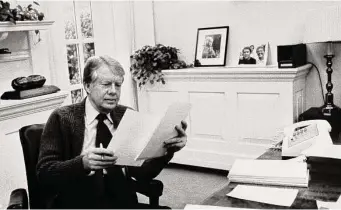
{"points": [[270, 195], [324, 151], [140, 136], [329, 205], [271, 172], [193, 207]]}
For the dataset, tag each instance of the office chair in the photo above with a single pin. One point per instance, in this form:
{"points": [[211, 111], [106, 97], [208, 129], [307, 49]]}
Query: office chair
{"points": [[30, 139]]}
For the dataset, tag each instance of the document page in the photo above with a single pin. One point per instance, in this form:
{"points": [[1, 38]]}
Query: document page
{"points": [[175, 113], [326, 151], [192, 206], [270, 195], [134, 130]]}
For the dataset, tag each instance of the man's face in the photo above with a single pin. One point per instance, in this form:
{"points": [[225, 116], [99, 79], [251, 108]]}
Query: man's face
{"points": [[209, 42], [105, 91], [260, 53], [246, 53]]}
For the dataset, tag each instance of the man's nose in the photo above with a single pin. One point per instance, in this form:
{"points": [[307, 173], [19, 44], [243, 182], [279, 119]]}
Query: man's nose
{"points": [[112, 89]]}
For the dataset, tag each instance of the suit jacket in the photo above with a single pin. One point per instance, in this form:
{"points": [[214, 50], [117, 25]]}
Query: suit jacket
{"points": [[60, 168]]}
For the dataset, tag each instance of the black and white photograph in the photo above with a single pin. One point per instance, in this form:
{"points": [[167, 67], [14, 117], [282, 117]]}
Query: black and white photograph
{"points": [[256, 54], [211, 46], [170, 104]]}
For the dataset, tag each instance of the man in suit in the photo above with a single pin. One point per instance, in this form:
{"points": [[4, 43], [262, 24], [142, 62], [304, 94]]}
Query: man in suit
{"points": [[74, 166]]}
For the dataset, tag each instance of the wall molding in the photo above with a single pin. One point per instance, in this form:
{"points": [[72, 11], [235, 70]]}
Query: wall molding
{"points": [[238, 73], [16, 108], [15, 56]]}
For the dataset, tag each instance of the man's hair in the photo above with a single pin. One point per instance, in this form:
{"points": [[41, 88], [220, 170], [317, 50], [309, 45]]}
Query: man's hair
{"points": [[246, 48], [95, 62], [260, 47]]}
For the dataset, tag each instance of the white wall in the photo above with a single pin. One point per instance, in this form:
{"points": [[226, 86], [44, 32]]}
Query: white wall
{"points": [[276, 22]]}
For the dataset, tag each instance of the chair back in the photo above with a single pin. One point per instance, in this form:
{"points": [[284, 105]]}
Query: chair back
{"points": [[30, 140]]}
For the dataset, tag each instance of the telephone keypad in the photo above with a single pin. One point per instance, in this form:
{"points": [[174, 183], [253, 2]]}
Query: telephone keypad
{"points": [[303, 134]]}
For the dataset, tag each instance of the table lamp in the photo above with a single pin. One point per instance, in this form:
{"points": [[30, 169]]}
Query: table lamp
{"points": [[324, 26]]}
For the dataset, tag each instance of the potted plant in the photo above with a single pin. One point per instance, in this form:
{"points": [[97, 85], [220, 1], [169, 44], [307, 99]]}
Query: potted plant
{"points": [[148, 62], [19, 13]]}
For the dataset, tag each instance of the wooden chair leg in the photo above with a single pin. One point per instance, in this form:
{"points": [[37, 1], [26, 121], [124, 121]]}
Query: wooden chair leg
{"points": [[154, 201]]}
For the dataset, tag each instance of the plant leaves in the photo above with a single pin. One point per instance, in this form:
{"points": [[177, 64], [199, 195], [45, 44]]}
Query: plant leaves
{"points": [[36, 3]]}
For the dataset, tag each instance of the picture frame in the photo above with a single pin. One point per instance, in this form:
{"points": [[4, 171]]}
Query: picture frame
{"points": [[255, 54], [211, 46]]}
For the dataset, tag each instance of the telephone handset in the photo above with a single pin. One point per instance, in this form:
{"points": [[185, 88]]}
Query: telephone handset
{"points": [[302, 135]]}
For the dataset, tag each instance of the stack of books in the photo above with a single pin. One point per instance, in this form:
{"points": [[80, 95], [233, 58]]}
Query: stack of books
{"points": [[270, 172], [324, 162]]}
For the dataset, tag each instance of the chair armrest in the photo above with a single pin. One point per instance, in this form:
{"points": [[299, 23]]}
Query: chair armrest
{"points": [[18, 199], [149, 188]]}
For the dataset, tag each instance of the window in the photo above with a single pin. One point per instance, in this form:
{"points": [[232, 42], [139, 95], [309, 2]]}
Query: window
{"points": [[79, 41]]}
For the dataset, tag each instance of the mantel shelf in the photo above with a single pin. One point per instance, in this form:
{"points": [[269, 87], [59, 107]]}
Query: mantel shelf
{"points": [[25, 25], [16, 108], [267, 73]]}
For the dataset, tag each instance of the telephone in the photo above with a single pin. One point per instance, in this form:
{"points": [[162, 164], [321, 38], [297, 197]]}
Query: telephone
{"points": [[302, 135]]}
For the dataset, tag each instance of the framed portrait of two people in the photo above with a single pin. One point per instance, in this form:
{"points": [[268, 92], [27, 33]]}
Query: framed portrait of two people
{"points": [[211, 46], [254, 54]]}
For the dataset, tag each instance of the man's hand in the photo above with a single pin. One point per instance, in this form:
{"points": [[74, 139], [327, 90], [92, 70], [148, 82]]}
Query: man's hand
{"points": [[177, 143], [98, 158]]}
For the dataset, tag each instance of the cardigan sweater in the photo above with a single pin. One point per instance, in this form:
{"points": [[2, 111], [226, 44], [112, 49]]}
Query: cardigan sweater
{"points": [[60, 167]]}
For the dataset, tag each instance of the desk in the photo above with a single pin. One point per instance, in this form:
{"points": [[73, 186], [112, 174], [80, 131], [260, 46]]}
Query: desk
{"points": [[306, 197]]}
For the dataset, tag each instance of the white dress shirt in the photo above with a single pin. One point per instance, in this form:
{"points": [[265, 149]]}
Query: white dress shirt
{"points": [[91, 125]]}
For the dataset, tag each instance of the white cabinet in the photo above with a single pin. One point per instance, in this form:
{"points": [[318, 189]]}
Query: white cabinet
{"points": [[236, 111]]}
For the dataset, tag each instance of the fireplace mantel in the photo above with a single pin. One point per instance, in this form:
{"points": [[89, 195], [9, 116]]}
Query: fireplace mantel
{"points": [[16, 108]]}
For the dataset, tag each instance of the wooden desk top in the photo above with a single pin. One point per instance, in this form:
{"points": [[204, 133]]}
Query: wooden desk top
{"points": [[320, 188]]}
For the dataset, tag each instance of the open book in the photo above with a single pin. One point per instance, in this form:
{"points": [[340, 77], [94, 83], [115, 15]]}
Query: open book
{"points": [[140, 136]]}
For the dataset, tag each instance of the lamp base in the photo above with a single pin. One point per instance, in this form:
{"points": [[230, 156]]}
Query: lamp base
{"points": [[330, 113]]}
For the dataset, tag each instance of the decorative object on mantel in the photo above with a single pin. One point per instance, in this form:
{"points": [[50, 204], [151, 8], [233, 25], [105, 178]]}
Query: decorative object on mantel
{"points": [[211, 46], [28, 87], [148, 62], [26, 83], [19, 13], [256, 54]]}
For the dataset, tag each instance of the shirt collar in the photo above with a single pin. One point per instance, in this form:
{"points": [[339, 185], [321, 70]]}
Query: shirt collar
{"points": [[91, 113]]}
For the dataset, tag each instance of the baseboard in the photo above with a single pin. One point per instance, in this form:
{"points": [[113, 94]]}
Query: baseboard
{"points": [[198, 168]]}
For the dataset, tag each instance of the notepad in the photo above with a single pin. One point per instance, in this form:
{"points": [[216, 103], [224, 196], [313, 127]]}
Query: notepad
{"points": [[140, 136], [272, 172], [270, 195]]}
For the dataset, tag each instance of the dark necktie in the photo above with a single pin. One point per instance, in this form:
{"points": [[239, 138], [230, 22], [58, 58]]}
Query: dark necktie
{"points": [[103, 136], [103, 133]]}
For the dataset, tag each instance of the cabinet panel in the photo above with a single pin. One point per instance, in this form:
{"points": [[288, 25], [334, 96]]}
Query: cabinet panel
{"points": [[257, 113], [207, 115]]}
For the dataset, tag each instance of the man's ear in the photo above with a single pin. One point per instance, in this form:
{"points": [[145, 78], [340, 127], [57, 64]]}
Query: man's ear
{"points": [[87, 87]]}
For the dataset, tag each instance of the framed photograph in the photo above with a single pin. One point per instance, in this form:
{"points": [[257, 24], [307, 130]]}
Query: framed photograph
{"points": [[211, 46], [254, 54]]}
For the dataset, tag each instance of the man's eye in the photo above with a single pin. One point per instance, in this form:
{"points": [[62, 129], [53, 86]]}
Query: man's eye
{"points": [[118, 85]]}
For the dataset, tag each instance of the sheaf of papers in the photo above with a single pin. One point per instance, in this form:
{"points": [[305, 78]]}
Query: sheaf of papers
{"points": [[165, 130], [326, 151], [273, 172], [270, 195], [328, 205], [140, 136], [192, 206]]}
